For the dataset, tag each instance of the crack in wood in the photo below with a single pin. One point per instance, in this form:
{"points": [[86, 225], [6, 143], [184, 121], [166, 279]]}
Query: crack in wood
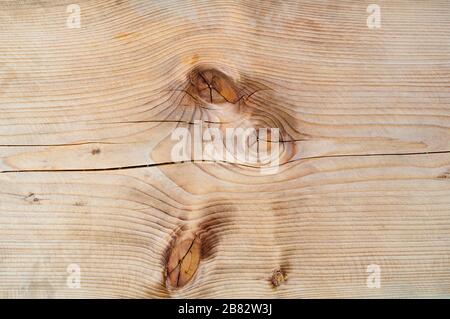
{"points": [[212, 162]]}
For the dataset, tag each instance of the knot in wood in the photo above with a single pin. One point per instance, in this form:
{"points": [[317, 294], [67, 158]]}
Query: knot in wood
{"points": [[213, 86], [184, 258]]}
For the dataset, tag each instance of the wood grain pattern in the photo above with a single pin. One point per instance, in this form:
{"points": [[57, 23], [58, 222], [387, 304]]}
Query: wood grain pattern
{"points": [[86, 176]]}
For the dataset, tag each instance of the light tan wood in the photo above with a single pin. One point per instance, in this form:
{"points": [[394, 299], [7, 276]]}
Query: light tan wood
{"points": [[86, 176]]}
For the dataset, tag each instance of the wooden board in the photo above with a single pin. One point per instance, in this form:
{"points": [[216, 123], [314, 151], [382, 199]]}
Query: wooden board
{"points": [[87, 179]]}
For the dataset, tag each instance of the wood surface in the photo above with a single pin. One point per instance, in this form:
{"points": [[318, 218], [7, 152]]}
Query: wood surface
{"points": [[86, 177]]}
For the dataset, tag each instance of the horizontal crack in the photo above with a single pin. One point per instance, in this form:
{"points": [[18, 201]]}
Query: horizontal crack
{"points": [[59, 144], [211, 162], [87, 169], [375, 154]]}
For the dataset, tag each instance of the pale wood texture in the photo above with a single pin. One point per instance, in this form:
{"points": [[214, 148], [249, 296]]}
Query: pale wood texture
{"points": [[366, 179]]}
